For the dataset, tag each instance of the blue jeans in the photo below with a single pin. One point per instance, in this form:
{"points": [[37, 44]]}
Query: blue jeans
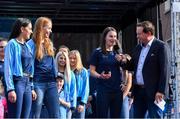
{"points": [[22, 107], [62, 112], [47, 92], [69, 114], [44, 112], [125, 108], [80, 115]]}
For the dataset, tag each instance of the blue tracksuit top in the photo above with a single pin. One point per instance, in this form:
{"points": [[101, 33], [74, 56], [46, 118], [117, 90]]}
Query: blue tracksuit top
{"points": [[62, 109], [13, 63], [82, 83], [70, 88]]}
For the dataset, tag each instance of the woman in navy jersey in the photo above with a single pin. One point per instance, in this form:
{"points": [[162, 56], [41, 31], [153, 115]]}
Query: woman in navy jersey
{"points": [[106, 69]]}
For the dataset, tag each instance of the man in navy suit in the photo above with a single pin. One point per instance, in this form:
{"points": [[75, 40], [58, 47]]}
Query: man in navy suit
{"points": [[150, 63]]}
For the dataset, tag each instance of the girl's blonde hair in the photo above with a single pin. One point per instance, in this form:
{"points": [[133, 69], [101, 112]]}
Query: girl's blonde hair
{"points": [[38, 36], [67, 71], [79, 65]]}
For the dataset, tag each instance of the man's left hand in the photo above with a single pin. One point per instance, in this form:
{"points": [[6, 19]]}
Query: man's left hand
{"points": [[159, 96]]}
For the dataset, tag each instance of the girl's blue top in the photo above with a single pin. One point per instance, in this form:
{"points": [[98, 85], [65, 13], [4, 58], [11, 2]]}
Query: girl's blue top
{"points": [[82, 85]]}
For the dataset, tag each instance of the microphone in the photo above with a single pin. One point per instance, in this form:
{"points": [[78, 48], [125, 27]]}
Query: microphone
{"points": [[117, 49]]}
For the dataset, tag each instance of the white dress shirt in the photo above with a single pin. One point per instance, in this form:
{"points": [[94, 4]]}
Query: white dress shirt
{"points": [[142, 57]]}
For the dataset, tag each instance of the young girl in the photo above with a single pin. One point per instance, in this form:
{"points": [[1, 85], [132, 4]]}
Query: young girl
{"points": [[3, 102], [63, 66], [64, 103], [82, 80], [125, 87]]}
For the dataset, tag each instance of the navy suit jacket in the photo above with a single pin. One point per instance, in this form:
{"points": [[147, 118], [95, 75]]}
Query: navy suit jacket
{"points": [[156, 67]]}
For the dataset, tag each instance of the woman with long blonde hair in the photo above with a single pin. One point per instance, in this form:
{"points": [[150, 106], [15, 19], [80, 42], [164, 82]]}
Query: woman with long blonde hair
{"points": [[82, 83], [44, 69], [63, 66]]}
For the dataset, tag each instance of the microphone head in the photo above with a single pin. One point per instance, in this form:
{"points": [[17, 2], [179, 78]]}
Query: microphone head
{"points": [[117, 49]]}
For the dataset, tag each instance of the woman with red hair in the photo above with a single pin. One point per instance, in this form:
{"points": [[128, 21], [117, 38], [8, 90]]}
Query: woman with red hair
{"points": [[44, 69]]}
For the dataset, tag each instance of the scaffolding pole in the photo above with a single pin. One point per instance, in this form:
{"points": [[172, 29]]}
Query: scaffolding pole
{"points": [[175, 54]]}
